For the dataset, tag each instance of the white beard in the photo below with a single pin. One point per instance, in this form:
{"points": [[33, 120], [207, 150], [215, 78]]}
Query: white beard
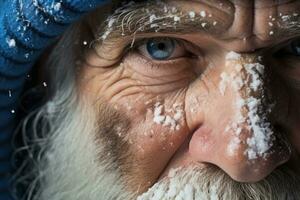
{"points": [[74, 166], [212, 184]]}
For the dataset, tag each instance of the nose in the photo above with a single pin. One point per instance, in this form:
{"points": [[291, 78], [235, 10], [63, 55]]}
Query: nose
{"points": [[235, 132]]}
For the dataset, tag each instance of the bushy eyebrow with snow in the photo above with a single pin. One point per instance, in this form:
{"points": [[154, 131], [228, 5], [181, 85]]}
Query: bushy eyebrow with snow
{"points": [[290, 24], [156, 16], [152, 17]]}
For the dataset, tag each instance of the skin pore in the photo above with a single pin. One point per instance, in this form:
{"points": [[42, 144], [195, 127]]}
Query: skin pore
{"points": [[171, 113]]}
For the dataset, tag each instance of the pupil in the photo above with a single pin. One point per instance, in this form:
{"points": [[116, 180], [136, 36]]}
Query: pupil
{"points": [[161, 46], [296, 47], [297, 50]]}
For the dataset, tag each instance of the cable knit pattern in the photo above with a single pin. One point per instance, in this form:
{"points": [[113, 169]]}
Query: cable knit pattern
{"points": [[26, 28]]}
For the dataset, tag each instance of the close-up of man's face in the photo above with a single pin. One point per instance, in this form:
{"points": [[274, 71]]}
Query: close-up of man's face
{"points": [[174, 100]]}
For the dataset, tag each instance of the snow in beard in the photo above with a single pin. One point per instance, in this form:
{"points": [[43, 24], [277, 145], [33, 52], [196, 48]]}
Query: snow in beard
{"points": [[183, 184], [255, 101]]}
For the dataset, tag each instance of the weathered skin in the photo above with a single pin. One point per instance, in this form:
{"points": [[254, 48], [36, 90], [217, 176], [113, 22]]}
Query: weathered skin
{"points": [[138, 83]]}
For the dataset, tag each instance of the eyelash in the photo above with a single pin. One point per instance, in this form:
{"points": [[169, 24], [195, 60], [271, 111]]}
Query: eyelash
{"points": [[143, 41]]}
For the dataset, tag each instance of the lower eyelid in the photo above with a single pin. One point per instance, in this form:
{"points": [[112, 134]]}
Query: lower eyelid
{"points": [[163, 63], [147, 67]]}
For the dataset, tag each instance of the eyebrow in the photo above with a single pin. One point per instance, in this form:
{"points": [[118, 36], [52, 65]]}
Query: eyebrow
{"points": [[153, 17], [290, 24], [150, 17]]}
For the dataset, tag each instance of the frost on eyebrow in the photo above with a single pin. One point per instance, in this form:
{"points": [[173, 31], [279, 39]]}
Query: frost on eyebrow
{"points": [[284, 24], [151, 17]]}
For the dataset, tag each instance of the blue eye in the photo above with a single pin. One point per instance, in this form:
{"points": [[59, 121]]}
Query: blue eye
{"points": [[295, 48], [160, 48], [291, 49]]}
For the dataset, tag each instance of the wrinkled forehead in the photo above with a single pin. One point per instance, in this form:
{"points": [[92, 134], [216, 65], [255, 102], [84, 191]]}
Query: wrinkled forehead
{"points": [[263, 22]]}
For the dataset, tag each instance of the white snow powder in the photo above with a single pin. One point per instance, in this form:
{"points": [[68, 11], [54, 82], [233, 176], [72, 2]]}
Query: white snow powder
{"points": [[192, 14], [202, 13], [170, 118], [158, 117], [233, 56], [111, 22], [57, 6], [286, 17], [152, 18], [225, 79], [261, 139], [176, 18], [11, 42]]}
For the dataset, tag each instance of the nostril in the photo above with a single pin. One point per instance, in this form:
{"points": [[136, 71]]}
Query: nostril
{"points": [[209, 149]]}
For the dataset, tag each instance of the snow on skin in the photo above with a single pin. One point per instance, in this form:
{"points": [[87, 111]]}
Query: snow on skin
{"points": [[169, 118], [261, 140], [169, 17], [158, 117], [203, 13], [233, 56], [225, 79], [176, 19], [192, 14]]}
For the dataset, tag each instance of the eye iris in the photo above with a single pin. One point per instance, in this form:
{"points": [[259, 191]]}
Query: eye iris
{"points": [[296, 48], [160, 49]]}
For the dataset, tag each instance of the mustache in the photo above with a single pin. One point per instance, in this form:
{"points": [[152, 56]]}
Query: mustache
{"points": [[212, 183]]}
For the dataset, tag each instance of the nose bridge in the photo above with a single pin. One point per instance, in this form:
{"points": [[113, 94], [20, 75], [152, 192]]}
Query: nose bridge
{"points": [[252, 105], [236, 134]]}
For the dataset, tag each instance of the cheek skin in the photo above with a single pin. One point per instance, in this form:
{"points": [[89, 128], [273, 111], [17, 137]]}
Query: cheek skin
{"points": [[152, 142], [154, 145], [287, 98]]}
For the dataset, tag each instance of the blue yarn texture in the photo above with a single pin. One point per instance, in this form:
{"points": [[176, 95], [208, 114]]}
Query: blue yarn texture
{"points": [[27, 27]]}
